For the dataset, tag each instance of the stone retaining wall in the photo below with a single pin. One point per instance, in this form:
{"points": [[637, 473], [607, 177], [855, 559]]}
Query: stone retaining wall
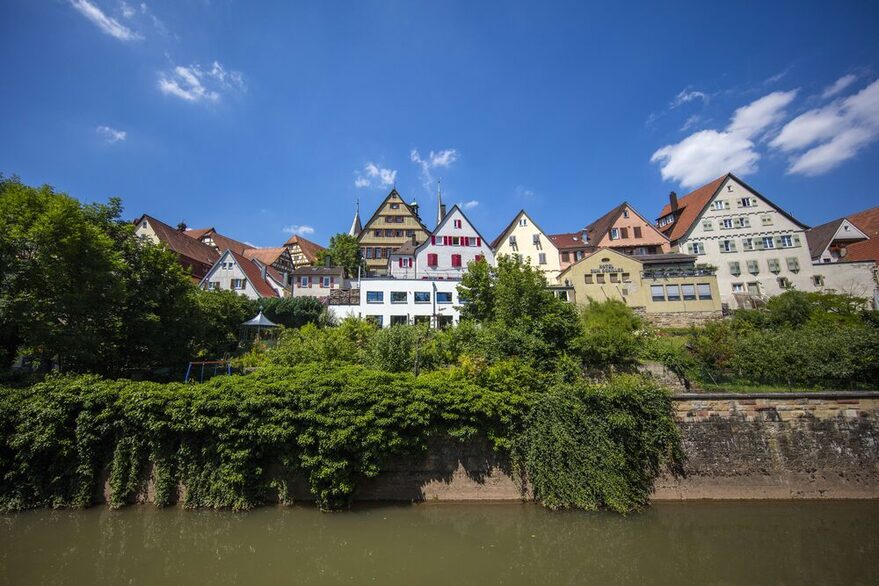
{"points": [[679, 319]]}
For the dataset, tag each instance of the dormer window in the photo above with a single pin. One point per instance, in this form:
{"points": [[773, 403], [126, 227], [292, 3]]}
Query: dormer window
{"points": [[625, 213]]}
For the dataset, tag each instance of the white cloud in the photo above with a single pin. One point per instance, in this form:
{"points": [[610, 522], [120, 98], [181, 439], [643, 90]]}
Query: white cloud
{"points": [[688, 96], [707, 154], [469, 205], [299, 230], [823, 138], [109, 25], [127, 10], [195, 84], [839, 85], [444, 158], [375, 175], [522, 191], [111, 135]]}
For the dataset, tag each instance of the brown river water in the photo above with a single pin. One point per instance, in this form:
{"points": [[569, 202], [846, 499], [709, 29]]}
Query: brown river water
{"points": [[448, 544]]}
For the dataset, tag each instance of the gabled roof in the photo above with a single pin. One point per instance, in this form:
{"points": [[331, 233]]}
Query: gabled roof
{"points": [[500, 238], [319, 270], [197, 233], [446, 219], [407, 248], [644, 259], [691, 206], [179, 242], [252, 272], [867, 221], [267, 256], [598, 229], [569, 241], [309, 249], [226, 243], [378, 209]]}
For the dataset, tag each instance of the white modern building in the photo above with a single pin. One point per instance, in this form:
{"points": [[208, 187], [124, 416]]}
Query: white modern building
{"points": [[389, 301], [453, 244], [759, 249]]}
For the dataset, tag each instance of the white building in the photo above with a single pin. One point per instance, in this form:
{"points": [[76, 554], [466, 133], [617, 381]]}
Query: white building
{"points": [[524, 239], [388, 301], [454, 243], [844, 259], [246, 277], [759, 249]]}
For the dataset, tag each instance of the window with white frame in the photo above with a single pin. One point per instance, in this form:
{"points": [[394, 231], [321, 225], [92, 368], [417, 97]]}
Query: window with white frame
{"points": [[213, 285], [737, 288], [727, 246], [787, 241], [614, 234], [512, 241], [747, 202], [696, 248], [457, 223], [325, 282], [238, 284], [303, 281], [747, 244], [523, 222], [720, 204], [726, 223], [541, 258], [768, 242]]}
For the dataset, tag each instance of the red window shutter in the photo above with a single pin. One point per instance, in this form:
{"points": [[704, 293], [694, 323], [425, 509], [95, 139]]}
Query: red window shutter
{"points": [[401, 261], [456, 260], [433, 239], [478, 241], [431, 259], [447, 240]]}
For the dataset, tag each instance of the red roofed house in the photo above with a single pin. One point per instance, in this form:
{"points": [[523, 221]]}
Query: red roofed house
{"points": [[625, 230], [192, 254], [572, 247], [759, 249], [246, 277], [303, 251]]}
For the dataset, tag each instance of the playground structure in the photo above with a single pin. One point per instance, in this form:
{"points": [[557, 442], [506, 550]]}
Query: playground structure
{"points": [[225, 364]]}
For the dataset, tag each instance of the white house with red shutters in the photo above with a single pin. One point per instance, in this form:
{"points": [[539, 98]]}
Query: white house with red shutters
{"points": [[453, 244]]}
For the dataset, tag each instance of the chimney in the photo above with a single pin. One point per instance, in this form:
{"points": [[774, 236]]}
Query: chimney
{"points": [[263, 271], [414, 240], [673, 201], [181, 227]]}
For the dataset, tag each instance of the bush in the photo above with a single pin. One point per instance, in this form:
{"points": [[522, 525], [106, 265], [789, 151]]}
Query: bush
{"points": [[612, 335]]}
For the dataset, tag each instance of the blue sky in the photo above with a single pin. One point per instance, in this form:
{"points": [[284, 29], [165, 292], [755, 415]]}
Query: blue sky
{"points": [[262, 120]]}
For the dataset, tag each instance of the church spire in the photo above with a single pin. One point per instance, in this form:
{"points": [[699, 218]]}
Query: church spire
{"points": [[440, 208], [356, 226]]}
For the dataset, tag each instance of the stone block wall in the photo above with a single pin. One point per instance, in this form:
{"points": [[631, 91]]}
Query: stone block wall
{"points": [[679, 319]]}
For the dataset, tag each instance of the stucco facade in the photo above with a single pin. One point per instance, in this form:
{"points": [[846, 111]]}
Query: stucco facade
{"points": [[627, 231], [759, 251], [235, 273], [392, 225], [523, 237], [662, 284], [445, 254], [856, 278], [389, 301]]}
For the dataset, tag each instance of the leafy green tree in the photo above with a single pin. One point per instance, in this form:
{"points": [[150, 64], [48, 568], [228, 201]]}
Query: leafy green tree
{"points": [[344, 251], [219, 315], [293, 312], [610, 334], [60, 287]]}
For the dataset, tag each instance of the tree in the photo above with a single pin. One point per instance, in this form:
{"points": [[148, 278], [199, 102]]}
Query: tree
{"points": [[344, 251], [293, 312], [219, 317]]}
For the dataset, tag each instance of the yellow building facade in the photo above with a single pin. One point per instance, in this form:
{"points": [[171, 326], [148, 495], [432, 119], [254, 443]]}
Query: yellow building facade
{"points": [[393, 224], [654, 284]]}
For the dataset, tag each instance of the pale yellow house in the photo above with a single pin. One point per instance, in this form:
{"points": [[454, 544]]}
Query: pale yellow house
{"points": [[667, 287], [524, 239]]}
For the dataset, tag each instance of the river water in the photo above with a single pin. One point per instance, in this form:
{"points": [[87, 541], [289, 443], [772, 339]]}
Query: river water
{"points": [[447, 544]]}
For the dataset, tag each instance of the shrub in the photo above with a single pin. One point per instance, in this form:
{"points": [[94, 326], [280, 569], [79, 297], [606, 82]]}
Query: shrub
{"points": [[610, 335]]}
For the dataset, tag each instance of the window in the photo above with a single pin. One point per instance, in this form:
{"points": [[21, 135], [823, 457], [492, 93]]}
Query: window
{"points": [[456, 241], [753, 288], [599, 278], [563, 295], [395, 206], [566, 257], [737, 288], [720, 204], [325, 282], [657, 293], [513, 244], [368, 252], [766, 220], [784, 282], [747, 202], [404, 262], [614, 278], [774, 265], [432, 260], [735, 268], [443, 297], [704, 290], [238, 284], [786, 241], [523, 222], [375, 297], [707, 225], [578, 255], [696, 248], [625, 213], [422, 320], [753, 267], [614, 234], [443, 321], [399, 320], [375, 319], [674, 292], [624, 233], [587, 279], [478, 258], [627, 278], [535, 240], [398, 297], [303, 282], [457, 223], [637, 231], [541, 258], [726, 223], [213, 285], [818, 280], [456, 260], [422, 296], [689, 292], [727, 246], [747, 244], [793, 264]]}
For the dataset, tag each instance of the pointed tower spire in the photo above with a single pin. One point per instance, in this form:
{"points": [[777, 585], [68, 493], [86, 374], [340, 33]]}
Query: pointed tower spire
{"points": [[356, 226], [440, 208]]}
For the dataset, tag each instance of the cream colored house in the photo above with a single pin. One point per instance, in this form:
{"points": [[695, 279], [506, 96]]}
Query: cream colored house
{"points": [[524, 239], [759, 249]]}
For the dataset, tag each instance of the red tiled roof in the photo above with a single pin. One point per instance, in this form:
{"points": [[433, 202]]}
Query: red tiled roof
{"points": [[180, 243], [867, 222], [600, 227], [568, 241], [308, 248], [254, 275], [226, 243], [690, 208], [267, 256], [197, 233]]}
